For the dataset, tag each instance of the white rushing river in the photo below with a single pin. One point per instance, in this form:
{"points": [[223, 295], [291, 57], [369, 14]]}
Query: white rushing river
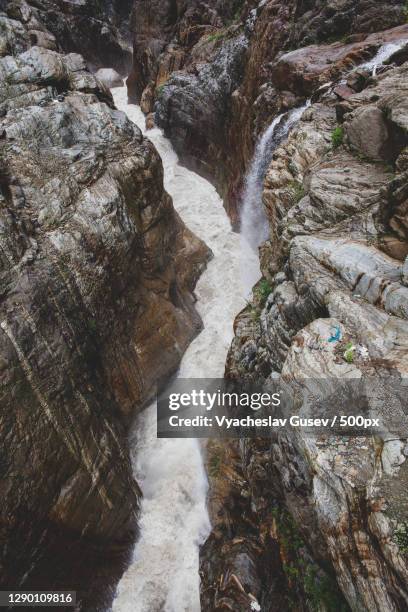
{"points": [[174, 521]]}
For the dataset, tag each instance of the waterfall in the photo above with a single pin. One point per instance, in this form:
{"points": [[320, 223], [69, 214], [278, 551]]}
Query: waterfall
{"points": [[254, 224], [383, 54], [163, 575]]}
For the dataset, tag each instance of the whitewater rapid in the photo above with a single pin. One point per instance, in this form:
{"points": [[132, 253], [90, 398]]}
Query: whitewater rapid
{"points": [[163, 575], [383, 54]]}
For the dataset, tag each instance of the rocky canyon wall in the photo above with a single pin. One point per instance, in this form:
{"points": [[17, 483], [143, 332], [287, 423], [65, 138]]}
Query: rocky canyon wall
{"points": [[97, 274], [302, 523], [97, 29], [208, 71], [320, 522]]}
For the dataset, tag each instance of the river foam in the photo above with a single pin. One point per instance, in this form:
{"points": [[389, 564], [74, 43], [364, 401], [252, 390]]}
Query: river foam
{"points": [[163, 575]]}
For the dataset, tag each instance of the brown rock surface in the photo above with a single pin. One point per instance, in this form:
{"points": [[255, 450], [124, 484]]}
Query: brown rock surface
{"points": [[97, 308], [335, 259], [172, 50], [302, 71]]}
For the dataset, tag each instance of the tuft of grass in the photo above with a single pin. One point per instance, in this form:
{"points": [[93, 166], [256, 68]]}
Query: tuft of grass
{"points": [[215, 464], [298, 191], [216, 36], [401, 537], [262, 290], [337, 136]]}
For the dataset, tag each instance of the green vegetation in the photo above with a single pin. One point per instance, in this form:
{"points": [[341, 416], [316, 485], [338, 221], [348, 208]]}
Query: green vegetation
{"points": [[215, 463], [254, 311], [401, 537], [159, 90], [262, 291], [298, 191], [305, 578], [349, 353], [289, 536], [337, 136], [216, 36], [322, 591]]}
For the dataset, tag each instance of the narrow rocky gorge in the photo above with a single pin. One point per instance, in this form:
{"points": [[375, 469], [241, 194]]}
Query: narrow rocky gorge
{"points": [[300, 524], [297, 113]]}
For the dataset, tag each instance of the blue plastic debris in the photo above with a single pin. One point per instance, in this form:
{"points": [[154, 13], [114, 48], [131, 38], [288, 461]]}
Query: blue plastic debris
{"points": [[336, 336]]}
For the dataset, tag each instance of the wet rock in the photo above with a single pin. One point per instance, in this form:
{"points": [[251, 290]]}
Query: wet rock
{"points": [[307, 68], [109, 77], [97, 275], [150, 121], [192, 109], [303, 70], [343, 92], [147, 99], [357, 80], [338, 232]]}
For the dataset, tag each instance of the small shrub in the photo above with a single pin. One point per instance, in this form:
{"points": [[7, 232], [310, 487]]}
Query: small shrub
{"points": [[262, 290], [298, 191], [349, 352], [159, 90], [337, 136], [401, 537]]}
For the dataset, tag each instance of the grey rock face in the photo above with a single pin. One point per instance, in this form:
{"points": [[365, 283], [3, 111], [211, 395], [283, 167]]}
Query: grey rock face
{"points": [[193, 108], [405, 272], [109, 77], [97, 271], [367, 132], [336, 259], [96, 29]]}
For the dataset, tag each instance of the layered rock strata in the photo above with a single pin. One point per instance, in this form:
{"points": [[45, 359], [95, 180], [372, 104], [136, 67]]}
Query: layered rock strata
{"points": [[97, 309], [321, 521], [217, 76], [99, 30]]}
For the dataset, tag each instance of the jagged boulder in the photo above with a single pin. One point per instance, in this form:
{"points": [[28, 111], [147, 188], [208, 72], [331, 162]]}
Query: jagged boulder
{"points": [[109, 77]]}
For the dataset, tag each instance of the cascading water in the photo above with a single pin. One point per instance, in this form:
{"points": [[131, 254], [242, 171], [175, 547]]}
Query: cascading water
{"points": [[174, 521], [383, 54], [254, 224], [163, 575]]}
